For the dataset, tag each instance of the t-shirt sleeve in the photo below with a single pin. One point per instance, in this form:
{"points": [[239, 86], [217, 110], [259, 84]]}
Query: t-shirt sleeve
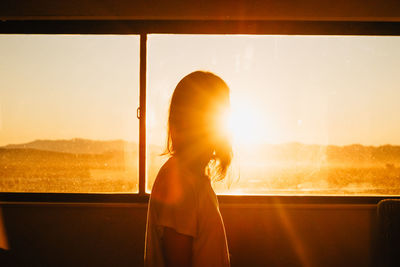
{"points": [[177, 208]]}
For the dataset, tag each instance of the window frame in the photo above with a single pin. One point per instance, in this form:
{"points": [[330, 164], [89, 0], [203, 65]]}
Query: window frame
{"points": [[146, 27]]}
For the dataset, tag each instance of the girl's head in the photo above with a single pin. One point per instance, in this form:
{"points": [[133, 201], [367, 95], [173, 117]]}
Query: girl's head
{"points": [[195, 133]]}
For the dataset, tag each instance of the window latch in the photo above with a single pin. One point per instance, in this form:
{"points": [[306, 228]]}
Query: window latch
{"points": [[138, 113]]}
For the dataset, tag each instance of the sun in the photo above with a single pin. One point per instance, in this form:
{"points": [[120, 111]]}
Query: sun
{"points": [[245, 125]]}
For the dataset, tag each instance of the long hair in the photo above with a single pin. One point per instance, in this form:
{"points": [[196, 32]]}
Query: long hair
{"points": [[194, 124]]}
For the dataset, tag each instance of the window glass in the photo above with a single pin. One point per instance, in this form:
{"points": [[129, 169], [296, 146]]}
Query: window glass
{"points": [[68, 113], [312, 115]]}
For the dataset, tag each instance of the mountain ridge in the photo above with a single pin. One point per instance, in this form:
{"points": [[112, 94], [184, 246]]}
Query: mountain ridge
{"points": [[293, 151], [77, 146]]}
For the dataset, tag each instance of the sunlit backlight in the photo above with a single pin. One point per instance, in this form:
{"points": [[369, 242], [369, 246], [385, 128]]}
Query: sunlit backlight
{"points": [[246, 125]]}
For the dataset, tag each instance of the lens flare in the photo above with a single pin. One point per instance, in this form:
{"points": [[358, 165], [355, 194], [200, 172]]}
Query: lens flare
{"points": [[245, 125]]}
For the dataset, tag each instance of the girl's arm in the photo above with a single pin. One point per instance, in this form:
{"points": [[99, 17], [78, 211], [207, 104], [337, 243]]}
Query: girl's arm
{"points": [[177, 248]]}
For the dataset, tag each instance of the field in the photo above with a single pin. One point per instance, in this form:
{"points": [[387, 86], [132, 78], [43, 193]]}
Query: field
{"points": [[86, 166], [322, 180], [30, 170]]}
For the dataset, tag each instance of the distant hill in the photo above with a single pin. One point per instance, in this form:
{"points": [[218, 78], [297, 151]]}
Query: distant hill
{"points": [[333, 154], [266, 152], [77, 146]]}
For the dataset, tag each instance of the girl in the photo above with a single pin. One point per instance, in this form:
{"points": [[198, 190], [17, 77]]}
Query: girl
{"points": [[184, 224]]}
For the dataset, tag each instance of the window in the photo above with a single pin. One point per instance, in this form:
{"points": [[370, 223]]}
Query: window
{"points": [[68, 113], [311, 115]]}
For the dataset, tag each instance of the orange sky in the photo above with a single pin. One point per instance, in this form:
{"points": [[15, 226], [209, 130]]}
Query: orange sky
{"points": [[61, 87], [310, 89]]}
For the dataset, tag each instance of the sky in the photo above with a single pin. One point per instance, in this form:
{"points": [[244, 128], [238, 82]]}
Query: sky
{"points": [[312, 89], [62, 87]]}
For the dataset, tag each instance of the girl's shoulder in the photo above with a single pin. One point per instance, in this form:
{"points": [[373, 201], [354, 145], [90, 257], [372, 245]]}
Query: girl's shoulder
{"points": [[170, 167], [169, 173], [173, 179]]}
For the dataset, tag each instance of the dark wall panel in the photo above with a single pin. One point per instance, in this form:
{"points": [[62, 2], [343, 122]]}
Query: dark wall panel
{"points": [[76, 236], [258, 234], [296, 235]]}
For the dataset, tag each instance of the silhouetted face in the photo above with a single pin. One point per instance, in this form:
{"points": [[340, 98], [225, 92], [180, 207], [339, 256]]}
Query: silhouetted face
{"points": [[195, 121]]}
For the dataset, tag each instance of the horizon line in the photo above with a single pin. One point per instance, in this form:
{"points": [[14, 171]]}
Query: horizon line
{"points": [[137, 142]]}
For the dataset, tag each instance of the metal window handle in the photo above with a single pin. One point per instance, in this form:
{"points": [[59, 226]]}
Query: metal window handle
{"points": [[138, 113]]}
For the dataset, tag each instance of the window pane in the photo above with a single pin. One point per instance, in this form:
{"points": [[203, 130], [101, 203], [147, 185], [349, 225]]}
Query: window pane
{"points": [[310, 114], [68, 113]]}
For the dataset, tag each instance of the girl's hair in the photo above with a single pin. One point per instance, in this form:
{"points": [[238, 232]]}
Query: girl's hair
{"points": [[195, 133]]}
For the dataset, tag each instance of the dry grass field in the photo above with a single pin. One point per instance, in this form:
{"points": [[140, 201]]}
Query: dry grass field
{"points": [[282, 169]]}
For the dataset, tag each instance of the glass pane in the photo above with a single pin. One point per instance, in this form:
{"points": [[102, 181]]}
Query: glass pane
{"points": [[68, 113], [310, 114]]}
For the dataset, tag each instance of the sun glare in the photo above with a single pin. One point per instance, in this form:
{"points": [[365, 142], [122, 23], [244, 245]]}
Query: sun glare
{"points": [[245, 125]]}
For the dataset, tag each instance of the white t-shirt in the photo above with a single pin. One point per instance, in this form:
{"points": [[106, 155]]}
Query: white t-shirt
{"points": [[188, 205]]}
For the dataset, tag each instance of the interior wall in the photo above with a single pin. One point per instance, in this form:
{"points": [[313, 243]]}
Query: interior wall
{"points": [[258, 234], [301, 235]]}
